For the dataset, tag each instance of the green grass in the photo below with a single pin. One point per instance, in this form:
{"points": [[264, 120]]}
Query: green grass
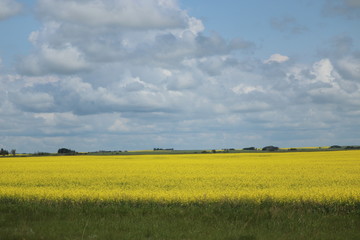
{"points": [[241, 220]]}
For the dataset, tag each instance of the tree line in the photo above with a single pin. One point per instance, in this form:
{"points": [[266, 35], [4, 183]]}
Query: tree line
{"points": [[4, 152]]}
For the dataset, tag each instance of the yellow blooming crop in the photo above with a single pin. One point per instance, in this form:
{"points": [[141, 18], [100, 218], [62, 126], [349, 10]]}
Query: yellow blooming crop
{"points": [[296, 176]]}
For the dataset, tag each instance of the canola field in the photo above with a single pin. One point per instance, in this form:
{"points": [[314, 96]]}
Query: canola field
{"points": [[328, 176]]}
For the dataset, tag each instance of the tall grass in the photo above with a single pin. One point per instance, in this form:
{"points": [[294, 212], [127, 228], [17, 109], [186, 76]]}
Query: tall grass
{"points": [[68, 219]]}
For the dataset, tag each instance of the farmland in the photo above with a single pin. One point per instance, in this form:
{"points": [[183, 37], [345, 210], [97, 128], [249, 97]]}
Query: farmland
{"points": [[239, 196]]}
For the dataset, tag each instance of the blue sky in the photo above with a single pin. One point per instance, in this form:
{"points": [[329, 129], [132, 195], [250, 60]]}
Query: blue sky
{"points": [[302, 27], [115, 75]]}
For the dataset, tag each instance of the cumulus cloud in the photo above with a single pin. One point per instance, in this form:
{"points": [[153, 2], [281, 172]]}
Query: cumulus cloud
{"points": [[9, 8], [253, 103], [350, 67], [78, 35], [61, 124], [278, 58], [65, 60], [346, 57], [324, 85], [33, 101], [120, 125]]}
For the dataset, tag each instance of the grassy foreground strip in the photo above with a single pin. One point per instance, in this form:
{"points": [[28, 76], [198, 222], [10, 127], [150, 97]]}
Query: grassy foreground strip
{"points": [[228, 220]]}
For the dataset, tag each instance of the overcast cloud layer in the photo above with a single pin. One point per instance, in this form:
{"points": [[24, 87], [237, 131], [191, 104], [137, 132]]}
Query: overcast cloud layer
{"points": [[127, 74]]}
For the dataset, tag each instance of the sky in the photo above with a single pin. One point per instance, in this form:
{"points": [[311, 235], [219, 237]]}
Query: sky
{"points": [[95, 75]]}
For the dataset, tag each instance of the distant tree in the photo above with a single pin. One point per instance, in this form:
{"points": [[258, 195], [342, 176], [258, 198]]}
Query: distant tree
{"points": [[41, 154], [352, 147], [13, 152], [66, 151], [270, 148], [4, 152], [335, 146], [249, 148]]}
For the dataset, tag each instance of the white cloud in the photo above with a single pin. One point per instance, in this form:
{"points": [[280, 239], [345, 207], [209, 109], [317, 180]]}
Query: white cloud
{"points": [[324, 71], [351, 67], [141, 14], [181, 81], [146, 32], [9, 8], [245, 89], [278, 58], [33, 101], [34, 81], [65, 60], [195, 26], [120, 125]]}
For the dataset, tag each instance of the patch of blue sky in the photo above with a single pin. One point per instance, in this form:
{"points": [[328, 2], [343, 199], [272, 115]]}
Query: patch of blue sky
{"points": [[15, 32]]}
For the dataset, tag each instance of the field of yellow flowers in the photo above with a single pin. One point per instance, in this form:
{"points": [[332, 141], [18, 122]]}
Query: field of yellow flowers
{"points": [[297, 176]]}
